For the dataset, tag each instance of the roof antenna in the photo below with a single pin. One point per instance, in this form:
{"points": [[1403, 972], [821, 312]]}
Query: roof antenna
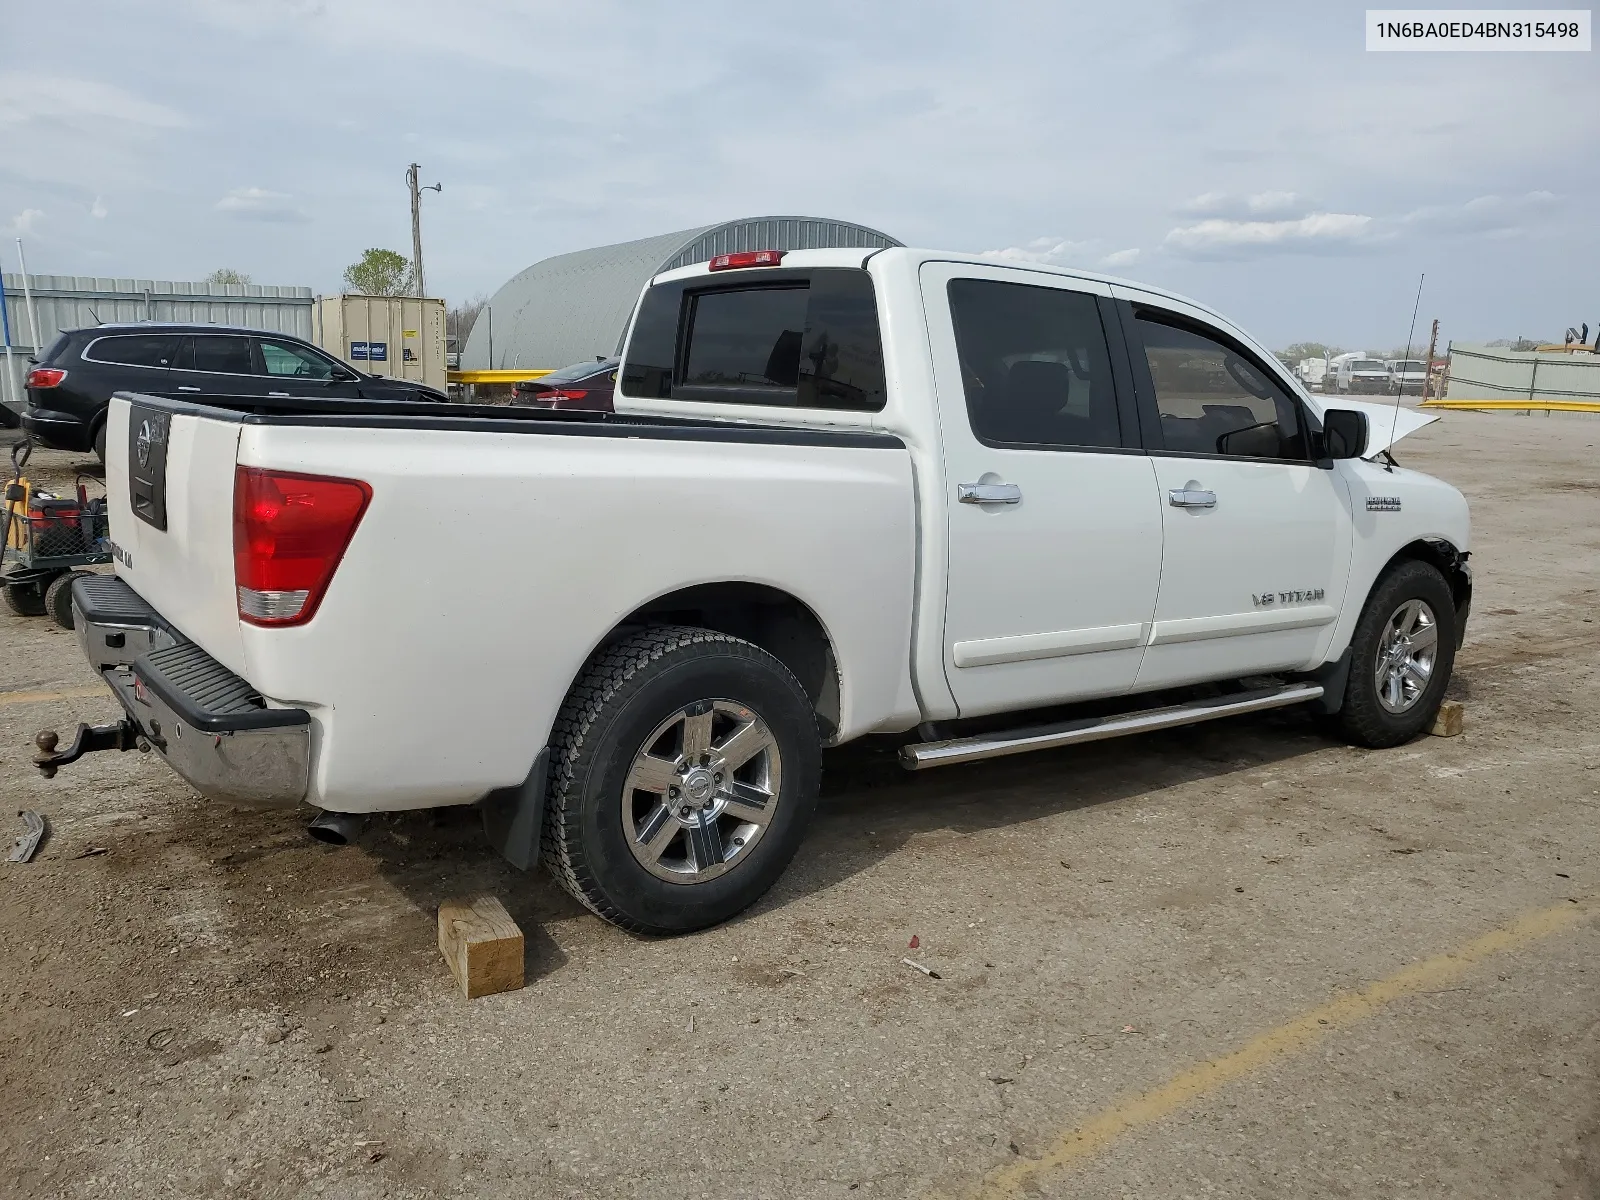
{"points": [[1400, 381], [95, 315]]}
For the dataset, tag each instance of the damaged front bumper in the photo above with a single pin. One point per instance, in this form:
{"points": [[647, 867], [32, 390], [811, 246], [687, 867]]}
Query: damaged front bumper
{"points": [[211, 726]]}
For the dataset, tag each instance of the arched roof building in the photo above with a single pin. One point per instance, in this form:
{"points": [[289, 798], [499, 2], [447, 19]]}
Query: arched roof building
{"points": [[576, 306]]}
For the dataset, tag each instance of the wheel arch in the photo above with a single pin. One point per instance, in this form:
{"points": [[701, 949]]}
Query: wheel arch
{"points": [[777, 621], [1439, 552], [1452, 564]]}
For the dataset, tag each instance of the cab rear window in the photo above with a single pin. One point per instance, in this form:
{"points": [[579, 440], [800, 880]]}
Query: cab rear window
{"points": [[801, 339]]}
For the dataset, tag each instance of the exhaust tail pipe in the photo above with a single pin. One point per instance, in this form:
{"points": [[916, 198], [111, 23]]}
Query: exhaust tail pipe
{"points": [[336, 828]]}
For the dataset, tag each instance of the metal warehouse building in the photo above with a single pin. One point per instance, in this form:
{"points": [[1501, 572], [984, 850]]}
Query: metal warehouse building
{"points": [[576, 306]]}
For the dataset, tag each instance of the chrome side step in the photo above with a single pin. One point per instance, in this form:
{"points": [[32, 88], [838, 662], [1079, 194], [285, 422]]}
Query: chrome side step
{"points": [[922, 755]]}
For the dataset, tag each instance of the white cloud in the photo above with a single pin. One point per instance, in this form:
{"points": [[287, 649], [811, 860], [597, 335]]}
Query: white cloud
{"points": [[1315, 233], [26, 221], [258, 204], [1484, 214], [1053, 251], [1121, 258], [1258, 206], [99, 211], [28, 98]]}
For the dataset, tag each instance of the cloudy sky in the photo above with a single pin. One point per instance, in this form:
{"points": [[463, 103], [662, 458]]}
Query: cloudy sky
{"points": [[1250, 154]]}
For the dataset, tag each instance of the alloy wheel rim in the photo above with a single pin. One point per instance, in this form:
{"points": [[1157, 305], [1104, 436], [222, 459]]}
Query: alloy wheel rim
{"points": [[701, 791], [1407, 651]]}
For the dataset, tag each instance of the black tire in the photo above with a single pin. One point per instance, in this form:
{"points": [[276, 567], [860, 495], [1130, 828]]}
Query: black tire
{"points": [[1365, 720], [627, 691], [24, 599], [58, 598], [100, 443]]}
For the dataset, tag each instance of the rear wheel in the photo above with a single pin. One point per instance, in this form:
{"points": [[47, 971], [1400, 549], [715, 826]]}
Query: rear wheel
{"points": [[684, 769], [24, 599], [100, 443], [1400, 658], [58, 598]]}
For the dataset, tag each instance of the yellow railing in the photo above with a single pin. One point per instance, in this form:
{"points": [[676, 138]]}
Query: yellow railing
{"points": [[513, 376], [1592, 406]]}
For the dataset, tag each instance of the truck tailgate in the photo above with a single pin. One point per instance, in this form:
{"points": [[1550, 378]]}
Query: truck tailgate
{"points": [[183, 465]]}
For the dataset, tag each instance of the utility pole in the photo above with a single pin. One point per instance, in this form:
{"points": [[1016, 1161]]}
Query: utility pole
{"points": [[416, 224], [1427, 369], [27, 296], [8, 394]]}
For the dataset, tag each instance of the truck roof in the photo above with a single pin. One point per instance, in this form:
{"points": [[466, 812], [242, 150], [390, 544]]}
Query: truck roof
{"points": [[915, 256]]}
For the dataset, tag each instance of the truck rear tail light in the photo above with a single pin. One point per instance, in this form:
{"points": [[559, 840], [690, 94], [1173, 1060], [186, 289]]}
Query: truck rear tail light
{"points": [[289, 533], [747, 258], [44, 377]]}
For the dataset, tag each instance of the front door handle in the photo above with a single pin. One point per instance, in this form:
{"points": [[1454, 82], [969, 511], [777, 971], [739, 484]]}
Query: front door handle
{"points": [[184, 388], [988, 493], [1191, 498]]}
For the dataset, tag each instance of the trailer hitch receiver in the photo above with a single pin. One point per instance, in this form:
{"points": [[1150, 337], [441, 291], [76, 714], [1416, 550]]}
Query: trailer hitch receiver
{"points": [[124, 735]]}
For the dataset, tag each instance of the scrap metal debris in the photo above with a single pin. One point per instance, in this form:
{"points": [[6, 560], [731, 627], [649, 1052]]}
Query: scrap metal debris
{"points": [[32, 834]]}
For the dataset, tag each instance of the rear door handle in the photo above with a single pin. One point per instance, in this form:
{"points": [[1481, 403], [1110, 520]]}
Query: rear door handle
{"points": [[988, 493], [184, 388], [1191, 498]]}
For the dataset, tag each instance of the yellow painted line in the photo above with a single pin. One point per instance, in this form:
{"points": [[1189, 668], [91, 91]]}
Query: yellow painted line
{"points": [[1547, 405], [1084, 1141], [75, 693]]}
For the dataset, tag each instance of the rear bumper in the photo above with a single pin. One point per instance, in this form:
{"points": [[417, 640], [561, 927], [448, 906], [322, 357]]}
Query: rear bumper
{"points": [[58, 430], [212, 727]]}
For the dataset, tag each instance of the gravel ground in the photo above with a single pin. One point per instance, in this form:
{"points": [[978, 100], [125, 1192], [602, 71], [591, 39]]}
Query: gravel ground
{"points": [[198, 1001]]}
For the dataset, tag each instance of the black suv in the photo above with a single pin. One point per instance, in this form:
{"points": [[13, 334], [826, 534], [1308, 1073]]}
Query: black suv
{"points": [[69, 389]]}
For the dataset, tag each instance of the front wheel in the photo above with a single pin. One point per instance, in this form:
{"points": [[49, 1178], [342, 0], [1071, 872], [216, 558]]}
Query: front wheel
{"points": [[1400, 658], [684, 769]]}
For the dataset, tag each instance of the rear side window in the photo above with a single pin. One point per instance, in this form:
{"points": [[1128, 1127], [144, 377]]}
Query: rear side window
{"points": [[285, 358], [1034, 365], [218, 354], [132, 350], [1215, 400], [800, 339]]}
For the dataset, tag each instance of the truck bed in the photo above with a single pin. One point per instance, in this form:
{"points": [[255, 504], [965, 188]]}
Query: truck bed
{"points": [[291, 411], [500, 547]]}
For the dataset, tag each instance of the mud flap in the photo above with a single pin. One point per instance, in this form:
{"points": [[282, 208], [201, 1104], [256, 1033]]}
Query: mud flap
{"points": [[1334, 677], [513, 816]]}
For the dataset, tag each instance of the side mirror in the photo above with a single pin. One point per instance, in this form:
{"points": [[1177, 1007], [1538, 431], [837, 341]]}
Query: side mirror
{"points": [[1344, 432]]}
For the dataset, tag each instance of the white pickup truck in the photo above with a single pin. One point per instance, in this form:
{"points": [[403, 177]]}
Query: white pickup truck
{"points": [[844, 493]]}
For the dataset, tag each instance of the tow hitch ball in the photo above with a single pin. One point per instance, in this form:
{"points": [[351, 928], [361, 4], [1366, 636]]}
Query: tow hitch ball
{"points": [[124, 735]]}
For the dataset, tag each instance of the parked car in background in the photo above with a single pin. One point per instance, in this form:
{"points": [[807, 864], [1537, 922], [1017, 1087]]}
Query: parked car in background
{"points": [[70, 387], [1406, 376], [582, 385], [1363, 377], [1312, 371]]}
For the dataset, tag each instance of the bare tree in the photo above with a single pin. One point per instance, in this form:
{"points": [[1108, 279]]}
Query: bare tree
{"points": [[227, 275], [460, 318]]}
